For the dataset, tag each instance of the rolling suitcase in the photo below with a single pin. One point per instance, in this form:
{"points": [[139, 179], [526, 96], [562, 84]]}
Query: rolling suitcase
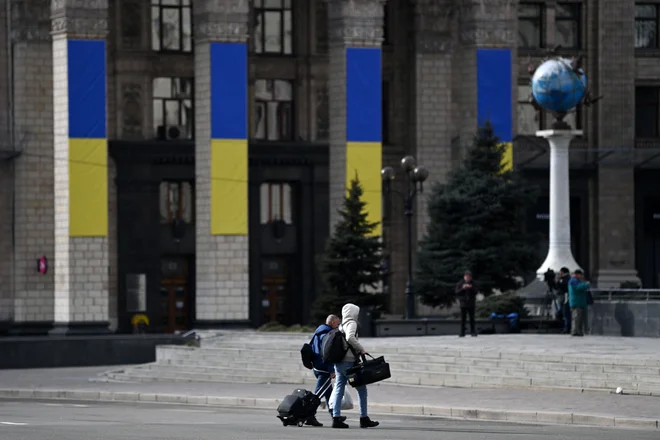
{"points": [[368, 371], [300, 405]]}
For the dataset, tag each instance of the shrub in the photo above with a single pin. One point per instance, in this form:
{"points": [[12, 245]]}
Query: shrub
{"points": [[502, 304]]}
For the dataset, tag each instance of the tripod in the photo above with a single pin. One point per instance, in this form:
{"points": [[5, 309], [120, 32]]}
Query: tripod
{"points": [[549, 306]]}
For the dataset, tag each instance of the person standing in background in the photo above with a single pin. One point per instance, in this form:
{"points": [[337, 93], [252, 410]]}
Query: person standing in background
{"points": [[577, 297], [467, 291], [562, 288]]}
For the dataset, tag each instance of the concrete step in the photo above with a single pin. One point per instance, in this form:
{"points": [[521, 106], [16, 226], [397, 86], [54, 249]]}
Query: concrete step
{"points": [[416, 369], [383, 349], [223, 356], [164, 373]]}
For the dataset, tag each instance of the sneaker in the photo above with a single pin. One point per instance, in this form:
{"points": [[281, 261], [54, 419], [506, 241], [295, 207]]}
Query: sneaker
{"points": [[337, 422], [313, 422], [366, 422]]}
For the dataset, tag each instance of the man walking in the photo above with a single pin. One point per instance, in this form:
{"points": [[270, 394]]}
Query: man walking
{"points": [[577, 297], [467, 297], [349, 328], [323, 372], [562, 287]]}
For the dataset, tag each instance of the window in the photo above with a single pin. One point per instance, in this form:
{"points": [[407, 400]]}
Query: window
{"points": [[273, 28], [530, 25], [176, 201], [171, 25], [322, 112], [173, 108], [529, 120], [646, 112], [386, 112], [646, 26], [276, 203], [274, 110], [568, 25]]}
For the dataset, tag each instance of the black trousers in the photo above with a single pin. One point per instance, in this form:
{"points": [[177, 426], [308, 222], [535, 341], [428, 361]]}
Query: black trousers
{"points": [[465, 311]]}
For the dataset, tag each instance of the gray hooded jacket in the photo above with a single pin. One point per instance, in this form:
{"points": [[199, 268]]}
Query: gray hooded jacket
{"points": [[349, 326]]}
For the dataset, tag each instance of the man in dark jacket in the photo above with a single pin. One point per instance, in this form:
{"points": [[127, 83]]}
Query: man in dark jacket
{"points": [[323, 372], [562, 289], [467, 291]]}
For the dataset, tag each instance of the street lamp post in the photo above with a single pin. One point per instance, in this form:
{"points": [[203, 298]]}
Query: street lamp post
{"points": [[416, 175]]}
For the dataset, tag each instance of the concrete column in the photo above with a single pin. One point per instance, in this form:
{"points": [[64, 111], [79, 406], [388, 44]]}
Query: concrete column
{"points": [[30, 293], [221, 162], [484, 77], [80, 152], [616, 179], [354, 88], [559, 253], [433, 95]]}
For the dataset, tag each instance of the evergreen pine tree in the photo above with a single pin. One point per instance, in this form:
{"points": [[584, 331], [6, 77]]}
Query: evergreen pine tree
{"points": [[477, 223], [351, 265]]}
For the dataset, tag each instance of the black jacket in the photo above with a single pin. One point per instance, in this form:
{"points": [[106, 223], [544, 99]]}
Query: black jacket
{"points": [[467, 297], [562, 284]]}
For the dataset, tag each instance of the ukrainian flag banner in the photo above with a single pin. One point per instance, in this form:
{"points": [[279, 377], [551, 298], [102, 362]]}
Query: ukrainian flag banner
{"points": [[229, 145], [88, 144], [364, 150], [495, 96]]}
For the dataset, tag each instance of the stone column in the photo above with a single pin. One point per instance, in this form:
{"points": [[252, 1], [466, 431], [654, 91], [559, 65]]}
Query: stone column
{"points": [[221, 162], [484, 77], [354, 88], [616, 179], [559, 253], [433, 95], [32, 188], [80, 151]]}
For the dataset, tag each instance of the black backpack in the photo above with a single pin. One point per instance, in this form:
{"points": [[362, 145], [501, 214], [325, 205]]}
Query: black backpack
{"points": [[307, 351], [334, 347]]}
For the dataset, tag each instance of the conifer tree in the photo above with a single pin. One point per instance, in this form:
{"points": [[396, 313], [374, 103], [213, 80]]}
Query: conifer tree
{"points": [[477, 223]]}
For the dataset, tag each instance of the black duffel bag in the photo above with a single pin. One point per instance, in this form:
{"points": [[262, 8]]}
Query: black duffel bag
{"points": [[368, 371]]}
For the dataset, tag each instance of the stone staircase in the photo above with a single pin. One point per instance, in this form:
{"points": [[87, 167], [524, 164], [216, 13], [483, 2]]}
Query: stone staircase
{"points": [[435, 362]]}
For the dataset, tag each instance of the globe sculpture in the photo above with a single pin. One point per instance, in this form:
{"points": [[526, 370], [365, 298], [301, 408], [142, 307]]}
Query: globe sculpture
{"points": [[558, 86]]}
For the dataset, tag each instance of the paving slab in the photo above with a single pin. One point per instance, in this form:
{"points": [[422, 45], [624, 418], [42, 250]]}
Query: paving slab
{"points": [[558, 407]]}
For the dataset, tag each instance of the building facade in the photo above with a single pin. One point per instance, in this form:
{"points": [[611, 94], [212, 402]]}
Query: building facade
{"points": [[184, 159]]}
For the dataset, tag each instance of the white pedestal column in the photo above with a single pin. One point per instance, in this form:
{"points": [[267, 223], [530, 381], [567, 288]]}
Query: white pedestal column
{"points": [[560, 253]]}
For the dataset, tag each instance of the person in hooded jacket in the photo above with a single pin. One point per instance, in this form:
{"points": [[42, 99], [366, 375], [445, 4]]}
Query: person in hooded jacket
{"points": [[323, 372], [349, 327]]}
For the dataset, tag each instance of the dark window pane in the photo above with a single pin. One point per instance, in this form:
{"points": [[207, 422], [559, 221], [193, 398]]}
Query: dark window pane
{"points": [[158, 114], [171, 29], [568, 33], [646, 112], [646, 34], [260, 120], [187, 30], [286, 120], [259, 32], [567, 10], [273, 32], [155, 28], [526, 10], [646, 11], [288, 33], [529, 34], [276, 4]]}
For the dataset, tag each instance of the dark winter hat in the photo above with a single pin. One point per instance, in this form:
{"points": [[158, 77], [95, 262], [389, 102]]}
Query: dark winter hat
{"points": [[467, 272]]}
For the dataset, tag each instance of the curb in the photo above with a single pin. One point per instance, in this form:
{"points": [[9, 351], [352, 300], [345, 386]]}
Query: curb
{"points": [[550, 418]]}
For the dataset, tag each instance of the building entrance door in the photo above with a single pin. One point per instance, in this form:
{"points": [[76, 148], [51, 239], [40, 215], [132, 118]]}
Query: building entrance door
{"points": [[275, 291], [175, 295]]}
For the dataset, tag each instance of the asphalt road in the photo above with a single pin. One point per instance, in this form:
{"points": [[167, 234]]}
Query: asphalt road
{"points": [[81, 421]]}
